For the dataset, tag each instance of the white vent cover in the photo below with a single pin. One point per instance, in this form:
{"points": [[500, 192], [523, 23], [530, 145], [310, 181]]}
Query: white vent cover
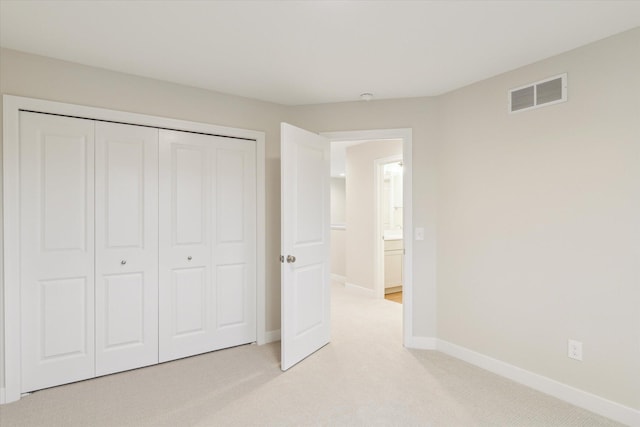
{"points": [[539, 94]]}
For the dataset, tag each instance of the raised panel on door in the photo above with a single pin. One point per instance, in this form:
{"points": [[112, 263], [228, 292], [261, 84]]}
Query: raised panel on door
{"points": [[126, 247], [234, 242], [208, 243], [56, 249], [185, 292], [189, 289]]}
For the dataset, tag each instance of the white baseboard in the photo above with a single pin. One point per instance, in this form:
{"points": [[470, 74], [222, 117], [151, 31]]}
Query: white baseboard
{"points": [[272, 336], [359, 289], [421, 343], [2, 396], [562, 391], [338, 278]]}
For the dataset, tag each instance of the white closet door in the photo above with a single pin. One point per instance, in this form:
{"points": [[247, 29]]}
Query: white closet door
{"points": [[57, 249], [234, 242], [207, 243], [185, 245], [126, 247]]}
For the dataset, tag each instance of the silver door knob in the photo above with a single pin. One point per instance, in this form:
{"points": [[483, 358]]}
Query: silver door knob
{"points": [[291, 259], [189, 258], [123, 262]]}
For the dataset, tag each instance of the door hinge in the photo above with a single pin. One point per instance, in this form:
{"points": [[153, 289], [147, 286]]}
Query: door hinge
{"points": [[282, 258]]}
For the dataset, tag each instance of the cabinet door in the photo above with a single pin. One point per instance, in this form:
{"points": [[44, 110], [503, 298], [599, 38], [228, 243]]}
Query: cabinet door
{"points": [[126, 247], [392, 269], [393, 254], [207, 243], [57, 249]]}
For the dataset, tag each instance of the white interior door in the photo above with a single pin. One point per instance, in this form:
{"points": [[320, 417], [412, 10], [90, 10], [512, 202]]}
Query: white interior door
{"points": [[126, 247], [305, 171], [207, 243], [56, 250]]}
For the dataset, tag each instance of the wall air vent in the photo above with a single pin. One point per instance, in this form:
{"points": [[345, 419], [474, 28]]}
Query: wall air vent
{"points": [[539, 94]]}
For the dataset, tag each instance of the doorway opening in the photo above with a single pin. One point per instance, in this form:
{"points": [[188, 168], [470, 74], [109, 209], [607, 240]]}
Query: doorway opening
{"points": [[381, 218], [389, 237]]}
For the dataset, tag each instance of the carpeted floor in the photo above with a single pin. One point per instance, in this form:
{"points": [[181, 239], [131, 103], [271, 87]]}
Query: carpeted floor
{"points": [[363, 378]]}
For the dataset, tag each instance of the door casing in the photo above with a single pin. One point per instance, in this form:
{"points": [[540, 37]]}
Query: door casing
{"points": [[405, 134]]}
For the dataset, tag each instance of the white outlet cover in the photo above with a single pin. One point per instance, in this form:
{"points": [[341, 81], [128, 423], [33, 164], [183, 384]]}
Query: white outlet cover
{"points": [[419, 233], [574, 349]]}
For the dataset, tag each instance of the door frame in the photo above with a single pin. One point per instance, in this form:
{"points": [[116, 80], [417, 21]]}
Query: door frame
{"points": [[379, 232], [406, 135], [10, 259]]}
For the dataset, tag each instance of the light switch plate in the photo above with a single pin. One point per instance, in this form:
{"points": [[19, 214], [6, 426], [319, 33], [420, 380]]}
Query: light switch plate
{"points": [[419, 233]]}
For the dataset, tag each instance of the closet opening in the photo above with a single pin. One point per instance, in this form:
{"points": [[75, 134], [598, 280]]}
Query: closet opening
{"points": [[129, 240]]}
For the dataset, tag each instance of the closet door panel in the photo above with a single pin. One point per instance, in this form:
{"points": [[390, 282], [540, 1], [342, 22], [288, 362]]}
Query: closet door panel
{"points": [[124, 310], [57, 241], [189, 193], [234, 249], [126, 247], [185, 245], [190, 301], [207, 251], [63, 310], [64, 192], [230, 191], [231, 295]]}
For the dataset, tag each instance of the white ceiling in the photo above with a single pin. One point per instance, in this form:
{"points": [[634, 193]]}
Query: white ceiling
{"points": [[309, 52]]}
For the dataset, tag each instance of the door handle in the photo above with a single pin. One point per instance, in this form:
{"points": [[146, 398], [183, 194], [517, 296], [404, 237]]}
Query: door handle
{"points": [[291, 259]]}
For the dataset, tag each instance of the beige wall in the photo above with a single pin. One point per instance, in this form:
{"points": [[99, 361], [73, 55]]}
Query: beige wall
{"points": [[338, 253], [361, 208], [538, 221], [338, 201], [338, 217]]}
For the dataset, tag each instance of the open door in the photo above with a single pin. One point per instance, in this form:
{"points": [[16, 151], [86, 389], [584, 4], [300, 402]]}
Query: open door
{"points": [[305, 244]]}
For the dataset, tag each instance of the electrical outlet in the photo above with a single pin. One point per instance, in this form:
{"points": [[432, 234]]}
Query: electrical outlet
{"points": [[419, 233], [574, 350]]}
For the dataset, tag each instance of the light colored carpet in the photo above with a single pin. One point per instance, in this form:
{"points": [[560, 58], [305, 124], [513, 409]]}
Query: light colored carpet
{"points": [[363, 378]]}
